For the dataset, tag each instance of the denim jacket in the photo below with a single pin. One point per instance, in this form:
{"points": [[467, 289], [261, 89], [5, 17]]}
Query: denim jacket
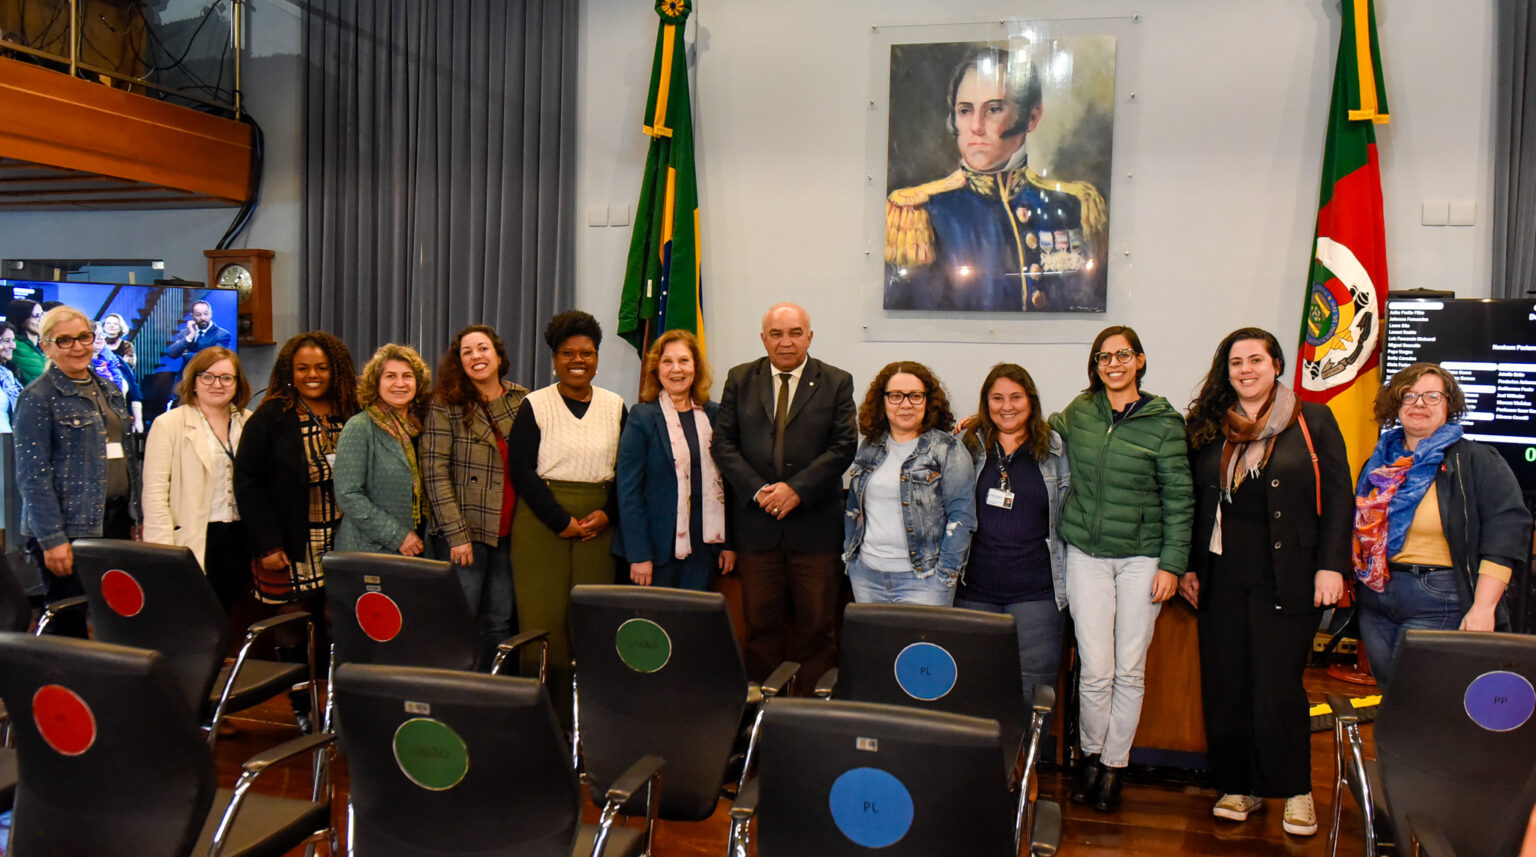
{"points": [[938, 502], [61, 459], [1057, 479]]}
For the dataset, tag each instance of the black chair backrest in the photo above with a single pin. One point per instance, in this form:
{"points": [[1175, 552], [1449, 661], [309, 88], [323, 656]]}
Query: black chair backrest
{"points": [[449, 762], [15, 610], [110, 761], [156, 597], [658, 673], [935, 658], [390, 609], [840, 778], [1456, 739]]}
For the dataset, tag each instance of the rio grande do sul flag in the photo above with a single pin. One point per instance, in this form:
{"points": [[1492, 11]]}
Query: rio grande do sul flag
{"points": [[661, 276], [1347, 290]]}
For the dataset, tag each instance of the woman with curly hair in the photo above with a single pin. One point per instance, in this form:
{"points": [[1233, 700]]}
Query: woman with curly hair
{"points": [[1271, 538], [378, 479], [284, 480], [1018, 559], [911, 507], [564, 445], [464, 452]]}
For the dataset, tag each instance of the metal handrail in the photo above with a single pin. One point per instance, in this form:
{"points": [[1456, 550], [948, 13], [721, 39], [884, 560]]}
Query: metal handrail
{"points": [[76, 65]]}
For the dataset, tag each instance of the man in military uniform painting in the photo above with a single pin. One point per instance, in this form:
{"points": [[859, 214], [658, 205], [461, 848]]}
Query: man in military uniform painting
{"points": [[995, 235]]}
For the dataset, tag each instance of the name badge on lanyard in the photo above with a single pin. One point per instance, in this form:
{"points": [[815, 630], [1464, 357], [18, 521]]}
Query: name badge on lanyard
{"points": [[114, 450], [999, 498]]}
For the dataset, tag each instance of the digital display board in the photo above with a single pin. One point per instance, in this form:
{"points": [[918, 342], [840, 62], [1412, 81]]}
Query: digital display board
{"points": [[1489, 347]]}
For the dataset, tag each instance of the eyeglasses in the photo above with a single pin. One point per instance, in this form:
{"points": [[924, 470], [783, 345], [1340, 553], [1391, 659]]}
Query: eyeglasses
{"points": [[215, 380], [1433, 397], [65, 343], [916, 397], [1124, 355]]}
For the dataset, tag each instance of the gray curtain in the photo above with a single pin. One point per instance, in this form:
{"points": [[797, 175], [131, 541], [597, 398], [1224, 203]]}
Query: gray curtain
{"points": [[439, 179], [1514, 173]]}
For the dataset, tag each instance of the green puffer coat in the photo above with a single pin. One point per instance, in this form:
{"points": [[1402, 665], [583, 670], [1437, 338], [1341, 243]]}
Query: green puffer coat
{"points": [[1131, 492]]}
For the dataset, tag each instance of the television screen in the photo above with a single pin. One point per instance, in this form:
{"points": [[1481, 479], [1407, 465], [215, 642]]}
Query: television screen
{"points": [[163, 326], [1489, 347]]}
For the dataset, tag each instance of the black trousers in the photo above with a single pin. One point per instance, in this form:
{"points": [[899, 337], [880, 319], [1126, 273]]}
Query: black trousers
{"points": [[116, 523], [227, 561], [1252, 657]]}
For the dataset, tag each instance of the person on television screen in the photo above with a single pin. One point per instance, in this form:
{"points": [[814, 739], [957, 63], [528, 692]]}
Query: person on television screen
{"points": [[116, 328], [201, 333], [994, 234]]}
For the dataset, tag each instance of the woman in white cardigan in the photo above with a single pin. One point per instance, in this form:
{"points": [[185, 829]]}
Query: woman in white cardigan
{"points": [[189, 496]]}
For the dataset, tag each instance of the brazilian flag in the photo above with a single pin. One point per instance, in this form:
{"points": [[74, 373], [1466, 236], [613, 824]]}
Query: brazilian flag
{"points": [[661, 279], [1343, 317]]}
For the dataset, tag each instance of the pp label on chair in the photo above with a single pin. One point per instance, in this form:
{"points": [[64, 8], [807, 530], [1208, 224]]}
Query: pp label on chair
{"points": [[63, 719], [643, 645], [122, 593], [871, 807], [431, 754], [926, 671], [1500, 701], [379, 616]]}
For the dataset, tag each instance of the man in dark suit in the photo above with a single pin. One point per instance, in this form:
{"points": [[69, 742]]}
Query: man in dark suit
{"points": [[785, 433], [201, 333]]}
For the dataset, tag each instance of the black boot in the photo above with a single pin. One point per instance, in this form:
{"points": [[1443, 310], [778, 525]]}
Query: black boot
{"points": [[1107, 797], [1086, 781], [298, 698]]}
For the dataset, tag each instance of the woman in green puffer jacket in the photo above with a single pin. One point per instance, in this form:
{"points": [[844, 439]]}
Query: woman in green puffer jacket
{"points": [[1127, 522]]}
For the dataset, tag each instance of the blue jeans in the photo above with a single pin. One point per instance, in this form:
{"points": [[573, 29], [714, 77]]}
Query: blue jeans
{"points": [[1040, 625], [899, 587], [487, 583], [1432, 601]]}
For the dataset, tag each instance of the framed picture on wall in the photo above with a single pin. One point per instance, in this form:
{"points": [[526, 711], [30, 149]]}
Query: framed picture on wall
{"points": [[997, 180]]}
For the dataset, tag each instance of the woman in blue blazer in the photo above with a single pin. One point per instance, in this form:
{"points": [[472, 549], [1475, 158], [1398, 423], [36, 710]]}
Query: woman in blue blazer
{"points": [[378, 480], [671, 497]]}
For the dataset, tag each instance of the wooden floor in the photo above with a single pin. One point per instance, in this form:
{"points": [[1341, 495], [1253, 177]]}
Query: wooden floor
{"points": [[1155, 819]]}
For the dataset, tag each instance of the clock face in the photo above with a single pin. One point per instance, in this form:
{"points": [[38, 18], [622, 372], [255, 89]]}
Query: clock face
{"points": [[237, 276]]}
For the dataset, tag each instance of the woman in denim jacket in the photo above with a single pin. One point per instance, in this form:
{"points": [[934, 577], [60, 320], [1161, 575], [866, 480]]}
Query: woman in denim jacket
{"points": [[1018, 559], [76, 473], [911, 506]]}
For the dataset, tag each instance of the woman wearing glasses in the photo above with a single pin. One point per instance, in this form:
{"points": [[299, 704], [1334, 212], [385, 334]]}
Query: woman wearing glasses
{"points": [[1438, 520], [1126, 521], [189, 472], [911, 508], [76, 475], [284, 483]]}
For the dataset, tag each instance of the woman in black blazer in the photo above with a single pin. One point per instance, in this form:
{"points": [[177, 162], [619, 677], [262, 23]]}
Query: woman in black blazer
{"points": [[669, 537], [283, 483], [1271, 538]]}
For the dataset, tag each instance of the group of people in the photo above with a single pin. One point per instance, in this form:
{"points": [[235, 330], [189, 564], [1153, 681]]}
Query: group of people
{"points": [[1243, 505]]}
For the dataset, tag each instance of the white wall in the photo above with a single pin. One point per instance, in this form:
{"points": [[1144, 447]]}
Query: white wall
{"points": [[1225, 144], [1226, 147]]}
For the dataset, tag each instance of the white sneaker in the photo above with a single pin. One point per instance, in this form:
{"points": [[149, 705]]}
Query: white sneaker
{"points": [[1236, 807], [1300, 815]]}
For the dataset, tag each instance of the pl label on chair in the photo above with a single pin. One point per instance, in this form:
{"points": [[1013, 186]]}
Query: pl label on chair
{"points": [[871, 807], [379, 616], [431, 754], [1500, 701], [122, 593], [926, 671], [643, 645], [63, 719]]}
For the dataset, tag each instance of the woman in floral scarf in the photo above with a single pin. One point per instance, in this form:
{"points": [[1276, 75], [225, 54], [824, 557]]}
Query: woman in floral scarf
{"points": [[378, 480], [1438, 520]]}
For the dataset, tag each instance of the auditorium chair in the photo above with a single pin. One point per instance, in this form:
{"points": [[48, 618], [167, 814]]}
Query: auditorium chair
{"points": [[447, 762], [156, 597], [849, 778], [1455, 768], [113, 763], [658, 672], [406, 611]]}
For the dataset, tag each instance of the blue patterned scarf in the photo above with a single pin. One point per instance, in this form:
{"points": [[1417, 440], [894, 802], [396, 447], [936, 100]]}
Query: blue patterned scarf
{"points": [[1415, 482]]}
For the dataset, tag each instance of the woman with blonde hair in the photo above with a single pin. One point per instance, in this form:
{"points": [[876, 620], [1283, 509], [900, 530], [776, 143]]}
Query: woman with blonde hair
{"points": [[665, 464], [189, 471], [378, 478]]}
